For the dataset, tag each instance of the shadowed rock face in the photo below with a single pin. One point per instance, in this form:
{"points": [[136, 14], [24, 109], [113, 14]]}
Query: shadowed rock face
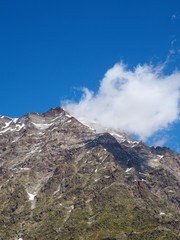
{"points": [[61, 180]]}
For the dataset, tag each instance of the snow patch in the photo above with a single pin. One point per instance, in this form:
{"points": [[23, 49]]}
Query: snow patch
{"points": [[171, 191], [58, 189], [15, 120], [7, 124], [25, 169], [133, 143], [5, 130], [42, 126], [56, 118], [41, 133], [19, 127], [68, 121], [71, 208], [7, 127], [128, 170], [162, 214], [31, 196], [67, 115], [107, 176], [96, 180], [121, 137]]}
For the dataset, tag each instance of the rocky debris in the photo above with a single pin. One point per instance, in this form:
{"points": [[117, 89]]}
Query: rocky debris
{"points": [[60, 179]]}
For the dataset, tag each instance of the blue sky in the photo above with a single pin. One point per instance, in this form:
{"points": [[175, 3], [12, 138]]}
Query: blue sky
{"points": [[49, 49]]}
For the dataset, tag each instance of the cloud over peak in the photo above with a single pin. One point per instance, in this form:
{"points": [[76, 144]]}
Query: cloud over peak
{"points": [[141, 101]]}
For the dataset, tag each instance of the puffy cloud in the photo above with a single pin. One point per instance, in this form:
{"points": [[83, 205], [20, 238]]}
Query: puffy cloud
{"points": [[139, 101]]}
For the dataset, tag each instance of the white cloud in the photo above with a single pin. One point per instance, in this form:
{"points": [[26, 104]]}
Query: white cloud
{"points": [[141, 101]]}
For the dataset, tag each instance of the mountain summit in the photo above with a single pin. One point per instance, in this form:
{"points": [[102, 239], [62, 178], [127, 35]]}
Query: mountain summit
{"points": [[60, 179]]}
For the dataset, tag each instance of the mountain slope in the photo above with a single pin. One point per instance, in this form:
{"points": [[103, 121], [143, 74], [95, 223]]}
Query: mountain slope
{"points": [[62, 180]]}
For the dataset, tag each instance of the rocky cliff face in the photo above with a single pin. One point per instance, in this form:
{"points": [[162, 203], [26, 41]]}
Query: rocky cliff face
{"points": [[61, 180]]}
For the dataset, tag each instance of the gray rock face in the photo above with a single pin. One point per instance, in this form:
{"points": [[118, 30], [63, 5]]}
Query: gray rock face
{"points": [[59, 179]]}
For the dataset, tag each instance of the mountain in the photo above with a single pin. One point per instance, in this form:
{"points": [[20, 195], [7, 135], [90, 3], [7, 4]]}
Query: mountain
{"points": [[60, 179]]}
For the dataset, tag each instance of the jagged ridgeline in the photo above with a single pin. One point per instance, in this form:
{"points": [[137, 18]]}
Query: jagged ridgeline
{"points": [[62, 180]]}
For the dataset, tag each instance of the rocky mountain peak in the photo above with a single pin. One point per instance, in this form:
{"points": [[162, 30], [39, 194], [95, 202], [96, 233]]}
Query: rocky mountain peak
{"points": [[60, 179]]}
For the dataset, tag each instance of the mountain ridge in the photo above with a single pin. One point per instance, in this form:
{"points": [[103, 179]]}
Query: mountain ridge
{"points": [[61, 179]]}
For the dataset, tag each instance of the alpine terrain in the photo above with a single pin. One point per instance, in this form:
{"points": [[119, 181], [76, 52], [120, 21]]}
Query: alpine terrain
{"points": [[60, 179]]}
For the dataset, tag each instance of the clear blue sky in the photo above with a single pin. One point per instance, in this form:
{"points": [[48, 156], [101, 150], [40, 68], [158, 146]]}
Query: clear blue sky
{"points": [[47, 48]]}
